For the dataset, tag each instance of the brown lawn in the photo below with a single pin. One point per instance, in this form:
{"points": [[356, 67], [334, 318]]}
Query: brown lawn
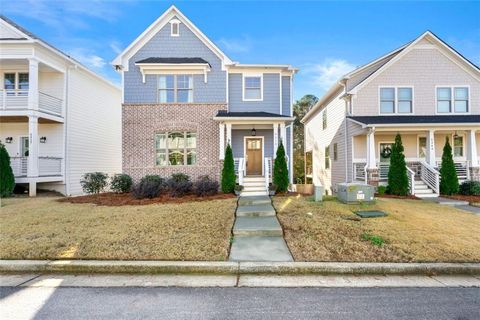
{"points": [[414, 230], [44, 228]]}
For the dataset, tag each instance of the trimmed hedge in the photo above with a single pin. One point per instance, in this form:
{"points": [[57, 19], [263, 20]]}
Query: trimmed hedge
{"points": [[121, 183], [94, 182]]}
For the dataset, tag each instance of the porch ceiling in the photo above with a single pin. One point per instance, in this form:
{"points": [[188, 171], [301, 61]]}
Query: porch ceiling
{"points": [[16, 119]]}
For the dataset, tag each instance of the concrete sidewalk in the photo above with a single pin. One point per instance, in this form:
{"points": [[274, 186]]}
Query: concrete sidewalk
{"points": [[332, 281], [234, 268]]}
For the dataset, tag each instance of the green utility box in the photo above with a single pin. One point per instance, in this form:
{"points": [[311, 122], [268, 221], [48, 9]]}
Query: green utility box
{"points": [[354, 193]]}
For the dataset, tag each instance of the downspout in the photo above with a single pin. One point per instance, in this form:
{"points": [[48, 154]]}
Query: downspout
{"points": [[346, 130]]}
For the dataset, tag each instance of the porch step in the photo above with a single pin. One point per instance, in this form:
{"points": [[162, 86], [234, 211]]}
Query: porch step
{"points": [[254, 188], [420, 187], [254, 184], [257, 210], [426, 195], [423, 191], [257, 227], [253, 179]]}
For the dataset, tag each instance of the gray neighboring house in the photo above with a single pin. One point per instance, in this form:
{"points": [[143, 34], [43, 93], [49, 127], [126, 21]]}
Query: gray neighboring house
{"points": [[184, 100], [424, 90]]}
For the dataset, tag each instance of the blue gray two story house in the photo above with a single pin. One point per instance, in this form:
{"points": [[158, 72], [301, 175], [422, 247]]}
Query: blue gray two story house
{"points": [[184, 100]]}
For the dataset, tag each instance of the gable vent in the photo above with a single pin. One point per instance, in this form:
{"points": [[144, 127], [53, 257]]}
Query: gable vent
{"points": [[175, 28]]}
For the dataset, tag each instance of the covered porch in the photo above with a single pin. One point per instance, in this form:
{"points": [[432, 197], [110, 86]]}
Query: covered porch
{"points": [[36, 149], [423, 148], [254, 138]]}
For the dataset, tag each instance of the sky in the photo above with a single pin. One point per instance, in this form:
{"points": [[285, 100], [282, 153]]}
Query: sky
{"points": [[325, 40]]}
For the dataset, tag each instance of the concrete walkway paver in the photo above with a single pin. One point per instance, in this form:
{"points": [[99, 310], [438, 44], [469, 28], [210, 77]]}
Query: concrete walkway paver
{"points": [[258, 235], [459, 204]]}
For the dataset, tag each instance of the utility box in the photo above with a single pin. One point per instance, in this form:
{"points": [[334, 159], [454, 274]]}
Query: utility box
{"points": [[319, 193], [354, 193]]}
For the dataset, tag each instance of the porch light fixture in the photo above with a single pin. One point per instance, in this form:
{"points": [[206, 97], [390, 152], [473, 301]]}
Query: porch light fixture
{"points": [[43, 139], [455, 135], [8, 139], [254, 132]]}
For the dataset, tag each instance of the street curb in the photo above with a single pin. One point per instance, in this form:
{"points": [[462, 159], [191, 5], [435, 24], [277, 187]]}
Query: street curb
{"points": [[235, 268]]}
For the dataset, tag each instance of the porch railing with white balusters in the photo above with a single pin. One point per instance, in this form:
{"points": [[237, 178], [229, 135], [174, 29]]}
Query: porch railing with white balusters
{"points": [[411, 180], [47, 166], [430, 176], [267, 170], [18, 100]]}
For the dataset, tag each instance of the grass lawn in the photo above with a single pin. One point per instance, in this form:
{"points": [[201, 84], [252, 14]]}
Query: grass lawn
{"points": [[43, 228], [414, 230]]}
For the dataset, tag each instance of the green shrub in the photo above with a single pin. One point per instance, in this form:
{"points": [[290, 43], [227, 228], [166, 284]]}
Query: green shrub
{"points": [[280, 170], [149, 186], [375, 240], [470, 188], [228, 172], [7, 179], [121, 183], [94, 182], [204, 186], [397, 173], [448, 173], [381, 190]]}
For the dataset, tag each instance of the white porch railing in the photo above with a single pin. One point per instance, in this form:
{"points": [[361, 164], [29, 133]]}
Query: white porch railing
{"points": [[18, 100], [411, 180], [13, 99], [49, 104], [359, 171], [47, 166], [430, 176], [239, 165], [462, 168]]}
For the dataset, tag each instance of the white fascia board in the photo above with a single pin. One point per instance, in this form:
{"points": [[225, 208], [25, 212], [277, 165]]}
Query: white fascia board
{"points": [[418, 126], [284, 68], [254, 119], [145, 36], [169, 68]]}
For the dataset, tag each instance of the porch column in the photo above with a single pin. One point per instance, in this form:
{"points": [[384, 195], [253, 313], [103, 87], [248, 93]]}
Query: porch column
{"points": [[229, 133], [275, 139], [371, 158], [472, 149], [283, 135], [431, 160], [32, 168], [221, 127], [33, 84]]}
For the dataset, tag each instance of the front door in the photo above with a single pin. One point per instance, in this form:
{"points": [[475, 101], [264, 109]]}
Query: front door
{"points": [[254, 156], [24, 146]]}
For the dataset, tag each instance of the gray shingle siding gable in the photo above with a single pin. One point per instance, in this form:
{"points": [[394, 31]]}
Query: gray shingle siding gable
{"points": [[165, 46], [271, 94]]}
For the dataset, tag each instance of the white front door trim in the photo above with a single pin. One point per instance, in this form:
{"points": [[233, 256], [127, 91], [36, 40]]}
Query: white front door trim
{"points": [[263, 151]]}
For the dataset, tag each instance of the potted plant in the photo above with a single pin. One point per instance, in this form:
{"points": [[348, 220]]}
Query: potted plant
{"points": [[238, 189], [272, 189]]}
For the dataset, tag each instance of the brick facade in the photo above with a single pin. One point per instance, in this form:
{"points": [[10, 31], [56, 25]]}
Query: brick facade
{"points": [[142, 121]]}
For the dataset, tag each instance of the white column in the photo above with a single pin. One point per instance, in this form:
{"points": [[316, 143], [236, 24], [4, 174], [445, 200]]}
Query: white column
{"points": [[431, 159], [33, 140], [275, 139], [221, 128], [371, 156], [472, 147], [229, 133], [283, 135], [33, 84]]}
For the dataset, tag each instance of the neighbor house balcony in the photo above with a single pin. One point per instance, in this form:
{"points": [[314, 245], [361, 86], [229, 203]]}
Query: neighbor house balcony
{"points": [[47, 166], [17, 100]]}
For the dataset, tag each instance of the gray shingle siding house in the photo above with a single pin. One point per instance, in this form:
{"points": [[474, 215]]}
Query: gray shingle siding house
{"points": [[184, 100]]}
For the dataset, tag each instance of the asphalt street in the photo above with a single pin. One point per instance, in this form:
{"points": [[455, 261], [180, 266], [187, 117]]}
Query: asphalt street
{"points": [[50, 302]]}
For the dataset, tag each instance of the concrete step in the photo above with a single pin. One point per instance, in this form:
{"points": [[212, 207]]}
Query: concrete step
{"points": [[250, 188], [426, 195], [421, 187], [257, 226], [423, 191], [259, 249], [254, 183], [254, 200], [255, 179], [258, 210], [417, 182], [253, 193]]}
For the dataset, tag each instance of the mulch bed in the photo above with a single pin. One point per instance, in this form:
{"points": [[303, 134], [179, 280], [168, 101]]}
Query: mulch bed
{"points": [[391, 196], [122, 199], [470, 199]]}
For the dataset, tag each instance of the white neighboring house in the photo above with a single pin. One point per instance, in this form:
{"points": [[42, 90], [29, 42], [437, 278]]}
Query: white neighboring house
{"points": [[58, 120], [424, 90]]}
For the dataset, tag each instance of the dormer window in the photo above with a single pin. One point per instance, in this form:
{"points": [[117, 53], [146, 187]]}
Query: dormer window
{"points": [[175, 28]]}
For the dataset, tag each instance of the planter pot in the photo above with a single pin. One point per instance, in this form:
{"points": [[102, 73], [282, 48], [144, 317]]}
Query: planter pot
{"points": [[271, 193], [237, 193], [303, 188]]}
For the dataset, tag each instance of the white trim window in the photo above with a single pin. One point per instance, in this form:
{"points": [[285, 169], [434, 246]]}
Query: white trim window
{"points": [[327, 157], [324, 119], [252, 88], [458, 146], [396, 100], [175, 88], [176, 148], [452, 99], [16, 81]]}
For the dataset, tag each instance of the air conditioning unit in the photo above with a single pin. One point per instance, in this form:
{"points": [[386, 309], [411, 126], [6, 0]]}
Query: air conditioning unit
{"points": [[354, 193]]}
